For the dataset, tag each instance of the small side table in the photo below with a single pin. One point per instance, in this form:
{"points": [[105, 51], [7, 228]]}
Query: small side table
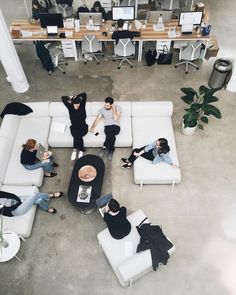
{"points": [[13, 246]]}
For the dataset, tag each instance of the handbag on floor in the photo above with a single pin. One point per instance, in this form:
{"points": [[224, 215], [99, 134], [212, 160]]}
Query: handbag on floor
{"points": [[165, 57]]}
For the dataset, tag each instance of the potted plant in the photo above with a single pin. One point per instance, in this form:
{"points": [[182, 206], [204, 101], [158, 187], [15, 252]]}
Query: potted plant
{"points": [[200, 108]]}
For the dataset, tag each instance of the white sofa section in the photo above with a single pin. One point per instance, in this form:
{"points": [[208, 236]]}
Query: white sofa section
{"points": [[121, 254], [22, 225], [59, 113], [150, 121]]}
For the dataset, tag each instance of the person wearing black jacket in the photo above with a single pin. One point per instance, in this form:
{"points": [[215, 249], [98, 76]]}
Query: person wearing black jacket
{"points": [[11, 205], [79, 128], [120, 33], [97, 7]]}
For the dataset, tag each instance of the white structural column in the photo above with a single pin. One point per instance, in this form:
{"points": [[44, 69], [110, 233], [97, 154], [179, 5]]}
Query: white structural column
{"points": [[232, 82], [10, 60]]}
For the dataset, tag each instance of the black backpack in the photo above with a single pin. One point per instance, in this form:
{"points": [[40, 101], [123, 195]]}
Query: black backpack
{"points": [[151, 57]]}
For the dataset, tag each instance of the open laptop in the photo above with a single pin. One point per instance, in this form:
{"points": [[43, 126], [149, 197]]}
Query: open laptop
{"points": [[40, 151], [102, 202]]}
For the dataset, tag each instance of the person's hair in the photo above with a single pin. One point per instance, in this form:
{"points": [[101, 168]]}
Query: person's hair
{"points": [[120, 23], [113, 206], [164, 147], [30, 144], [97, 4], [109, 100]]}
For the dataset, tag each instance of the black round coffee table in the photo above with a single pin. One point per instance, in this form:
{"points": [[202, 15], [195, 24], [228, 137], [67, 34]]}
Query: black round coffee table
{"points": [[88, 172]]}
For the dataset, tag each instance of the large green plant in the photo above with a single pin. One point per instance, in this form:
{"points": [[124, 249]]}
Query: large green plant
{"points": [[200, 106]]}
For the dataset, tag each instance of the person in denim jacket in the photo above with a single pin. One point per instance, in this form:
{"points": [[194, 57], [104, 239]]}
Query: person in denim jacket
{"points": [[157, 152]]}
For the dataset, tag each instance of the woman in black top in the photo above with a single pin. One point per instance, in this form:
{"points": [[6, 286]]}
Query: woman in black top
{"points": [[97, 7], [79, 128], [29, 161], [117, 223]]}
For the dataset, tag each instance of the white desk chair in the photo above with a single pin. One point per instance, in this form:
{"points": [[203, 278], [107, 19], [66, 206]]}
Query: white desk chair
{"points": [[91, 47], [188, 54], [124, 50], [65, 9], [57, 56]]}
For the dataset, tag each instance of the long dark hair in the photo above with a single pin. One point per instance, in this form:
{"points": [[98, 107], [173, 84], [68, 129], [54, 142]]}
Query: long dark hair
{"points": [[97, 4], [164, 147], [114, 206]]}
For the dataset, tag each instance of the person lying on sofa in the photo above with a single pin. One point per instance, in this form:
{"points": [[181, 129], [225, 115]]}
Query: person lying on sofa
{"points": [[29, 161], [79, 128], [157, 152], [11, 205], [115, 218]]}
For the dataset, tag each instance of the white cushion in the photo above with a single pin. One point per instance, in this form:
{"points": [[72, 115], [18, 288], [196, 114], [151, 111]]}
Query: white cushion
{"points": [[22, 225], [125, 105], [40, 109], [58, 139], [9, 127], [58, 109], [16, 174], [145, 131], [152, 108], [5, 154]]}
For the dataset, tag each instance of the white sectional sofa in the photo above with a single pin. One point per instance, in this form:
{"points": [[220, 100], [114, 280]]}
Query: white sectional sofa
{"points": [[121, 254]]}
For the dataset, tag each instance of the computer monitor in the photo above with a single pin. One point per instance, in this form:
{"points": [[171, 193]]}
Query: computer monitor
{"points": [[51, 19], [84, 18], [153, 16], [123, 12], [190, 18]]}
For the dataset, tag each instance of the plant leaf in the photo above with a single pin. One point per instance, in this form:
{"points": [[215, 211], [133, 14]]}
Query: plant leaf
{"points": [[203, 89], [210, 99], [200, 126], [212, 110], [190, 93], [187, 99], [204, 119]]}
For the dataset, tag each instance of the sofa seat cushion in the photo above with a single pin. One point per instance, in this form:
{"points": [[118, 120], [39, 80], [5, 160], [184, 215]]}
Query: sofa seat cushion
{"points": [[145, 131], [40, 109], [58, 109], [122, 253], [16, 174], [5, 154], [22, 225], [58, 139], [9, 126]]}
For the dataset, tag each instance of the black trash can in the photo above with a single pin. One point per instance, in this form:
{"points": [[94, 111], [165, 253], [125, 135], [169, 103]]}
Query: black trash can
{"points": [[221, 73]]}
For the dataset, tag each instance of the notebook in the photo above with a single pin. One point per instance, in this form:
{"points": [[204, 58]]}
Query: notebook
{"points": [[40, 151], [102, 202], [84, 194]]}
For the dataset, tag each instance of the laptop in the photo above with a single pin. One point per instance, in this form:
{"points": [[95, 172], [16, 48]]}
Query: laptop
{"points": [[40, 151], [52, 30], [102, 202]]}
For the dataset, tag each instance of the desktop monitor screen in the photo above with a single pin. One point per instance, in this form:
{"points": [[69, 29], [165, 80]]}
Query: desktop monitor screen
{"points": [[123, 12], [51, 19], [84, 18], [190, 18], [153, 16]]}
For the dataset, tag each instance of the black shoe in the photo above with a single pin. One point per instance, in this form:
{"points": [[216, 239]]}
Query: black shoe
{"points": [[124, 160], [52, 174], [126, 166], [54, 164], [109, 156]]}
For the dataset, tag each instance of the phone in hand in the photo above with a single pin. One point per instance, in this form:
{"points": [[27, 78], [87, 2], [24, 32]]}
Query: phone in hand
{"points": [[96, 134]]}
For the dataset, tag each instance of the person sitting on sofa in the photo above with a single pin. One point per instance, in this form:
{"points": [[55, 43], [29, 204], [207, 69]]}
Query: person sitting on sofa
{"points": [[11, 205], [115, 217], [79, 128], [156, 152], [29, 161]]}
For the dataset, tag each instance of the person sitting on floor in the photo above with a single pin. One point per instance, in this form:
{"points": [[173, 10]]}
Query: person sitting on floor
{"points": [[12, 205], [120, 33], [29, 161], [97, 7], [79, 128], [115, 218], [156, 152]]}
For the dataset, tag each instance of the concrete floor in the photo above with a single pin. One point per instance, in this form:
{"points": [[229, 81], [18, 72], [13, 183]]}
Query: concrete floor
{"points": [[62, 255]]}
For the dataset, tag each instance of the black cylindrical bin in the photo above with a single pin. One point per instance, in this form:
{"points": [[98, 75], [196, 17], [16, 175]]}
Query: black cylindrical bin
{"points": [[221, 73]]}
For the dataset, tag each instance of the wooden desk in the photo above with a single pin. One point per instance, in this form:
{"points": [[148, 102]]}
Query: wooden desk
{"points": [[146, 34]]}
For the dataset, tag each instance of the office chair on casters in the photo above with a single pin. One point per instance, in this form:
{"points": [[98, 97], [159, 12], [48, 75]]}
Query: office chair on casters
{"points": [[91, 48], [188, 54], [64, 7], [124, 50], [57, 56]]}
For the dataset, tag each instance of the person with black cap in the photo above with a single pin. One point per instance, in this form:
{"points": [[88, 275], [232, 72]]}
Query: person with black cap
{"points": [[79, 128]]}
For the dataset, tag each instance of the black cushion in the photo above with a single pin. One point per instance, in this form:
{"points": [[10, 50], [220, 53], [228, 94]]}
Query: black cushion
{"points": [[16, 108]]}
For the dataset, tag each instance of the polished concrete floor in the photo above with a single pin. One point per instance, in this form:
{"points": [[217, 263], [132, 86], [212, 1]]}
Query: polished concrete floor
{"points": [[62, 255]]}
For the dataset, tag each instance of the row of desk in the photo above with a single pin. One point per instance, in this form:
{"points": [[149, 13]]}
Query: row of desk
{"points": [[146, 34]]}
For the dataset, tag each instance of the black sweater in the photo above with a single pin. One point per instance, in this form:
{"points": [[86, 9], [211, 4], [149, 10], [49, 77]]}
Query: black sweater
{"points": [[77, 117], [27, 157], [118, 225], [6, 210]]}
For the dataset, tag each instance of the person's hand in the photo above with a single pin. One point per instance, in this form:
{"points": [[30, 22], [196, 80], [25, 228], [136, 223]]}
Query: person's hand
{"points": [[91, 130], [46, 155], [136, 154]]}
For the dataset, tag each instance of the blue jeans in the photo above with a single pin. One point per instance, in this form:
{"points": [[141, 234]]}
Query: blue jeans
{"points": [[40, 199], [47, 167]]}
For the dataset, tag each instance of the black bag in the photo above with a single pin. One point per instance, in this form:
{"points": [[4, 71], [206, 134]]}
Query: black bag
{"points": [[151, 57], [164, 57]]}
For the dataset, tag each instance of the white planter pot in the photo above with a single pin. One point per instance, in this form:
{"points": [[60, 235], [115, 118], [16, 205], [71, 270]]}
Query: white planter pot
{"points": [[188, 130]]}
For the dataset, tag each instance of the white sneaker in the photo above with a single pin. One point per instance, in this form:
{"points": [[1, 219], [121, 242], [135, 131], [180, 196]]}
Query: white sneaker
{"points": [[73, 155], [80, 154]]}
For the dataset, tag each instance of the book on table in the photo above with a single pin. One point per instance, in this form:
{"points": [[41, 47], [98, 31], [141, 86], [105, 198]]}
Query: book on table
{"points": [[84, 193]]}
